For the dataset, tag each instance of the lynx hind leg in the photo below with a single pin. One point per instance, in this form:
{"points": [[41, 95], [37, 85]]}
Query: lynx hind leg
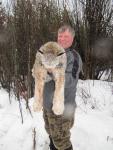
{"points": [[39, 85], [58, 100]]}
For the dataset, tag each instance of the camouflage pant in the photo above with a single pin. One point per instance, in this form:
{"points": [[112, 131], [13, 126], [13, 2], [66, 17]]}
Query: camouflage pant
{"points": [[58, 127]]}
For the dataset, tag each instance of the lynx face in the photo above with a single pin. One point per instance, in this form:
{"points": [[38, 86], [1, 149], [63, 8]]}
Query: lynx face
{"points": [[49, 60], [50, 54]]}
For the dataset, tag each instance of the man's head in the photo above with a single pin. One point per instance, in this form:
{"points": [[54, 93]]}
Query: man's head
{"points": [[65, 36]]}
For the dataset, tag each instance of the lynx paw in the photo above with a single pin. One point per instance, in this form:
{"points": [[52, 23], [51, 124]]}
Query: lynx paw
{"points": [[58, 108], [37, 107]]}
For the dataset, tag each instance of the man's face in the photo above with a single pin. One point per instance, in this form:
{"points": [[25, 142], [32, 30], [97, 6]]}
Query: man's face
{"points": [[65, 39]]}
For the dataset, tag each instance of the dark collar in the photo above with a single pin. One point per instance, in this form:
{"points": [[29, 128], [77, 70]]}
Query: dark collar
{"points": [[68, 49]]}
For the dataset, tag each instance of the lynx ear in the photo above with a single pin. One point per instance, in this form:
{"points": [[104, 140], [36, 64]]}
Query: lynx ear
{"points": [[40, 51], [60, 54]]}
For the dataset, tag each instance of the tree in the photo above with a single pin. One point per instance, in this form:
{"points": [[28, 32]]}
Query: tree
{"points": [[29, 25], [93, 23]]}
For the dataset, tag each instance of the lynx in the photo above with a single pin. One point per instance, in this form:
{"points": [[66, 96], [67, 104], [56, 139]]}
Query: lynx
{"points": [[50, 59]]}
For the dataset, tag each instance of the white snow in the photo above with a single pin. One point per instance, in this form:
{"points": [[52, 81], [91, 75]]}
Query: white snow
{"points": [[92, 130]]}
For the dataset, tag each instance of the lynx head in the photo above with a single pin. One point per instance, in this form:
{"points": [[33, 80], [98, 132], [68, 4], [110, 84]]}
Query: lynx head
{"points": [[50, 54]]}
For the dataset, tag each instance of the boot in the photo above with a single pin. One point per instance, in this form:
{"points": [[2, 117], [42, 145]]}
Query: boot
{"points": [[70, 148], [51, 145]]}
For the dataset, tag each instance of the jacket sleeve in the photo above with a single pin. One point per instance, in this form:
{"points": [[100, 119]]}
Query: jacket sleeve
{"points": [[81, 73]]}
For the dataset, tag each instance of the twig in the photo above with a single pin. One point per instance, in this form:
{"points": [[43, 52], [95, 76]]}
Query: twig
{"points": [[23, 92], [34, 139], [20, 107]]}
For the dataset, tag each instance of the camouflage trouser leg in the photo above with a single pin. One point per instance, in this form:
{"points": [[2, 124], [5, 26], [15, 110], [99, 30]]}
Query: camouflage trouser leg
{"points": [[58, 128]]}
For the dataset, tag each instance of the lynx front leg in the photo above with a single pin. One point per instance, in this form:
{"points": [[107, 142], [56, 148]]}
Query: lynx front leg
{"points": [[58, 101], [39, 85]]}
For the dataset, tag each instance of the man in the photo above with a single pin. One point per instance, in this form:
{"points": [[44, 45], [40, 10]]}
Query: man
{"points": [[58, 126]]}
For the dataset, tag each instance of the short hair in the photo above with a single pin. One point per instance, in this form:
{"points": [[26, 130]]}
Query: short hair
{"points": [[66, 27]]}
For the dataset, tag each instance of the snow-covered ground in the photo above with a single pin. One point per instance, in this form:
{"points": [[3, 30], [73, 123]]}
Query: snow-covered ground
{"points": [[93, 128]]}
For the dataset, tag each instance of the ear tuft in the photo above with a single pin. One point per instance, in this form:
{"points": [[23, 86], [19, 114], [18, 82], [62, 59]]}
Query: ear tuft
{"points": [[40, 51], [60, 54]]}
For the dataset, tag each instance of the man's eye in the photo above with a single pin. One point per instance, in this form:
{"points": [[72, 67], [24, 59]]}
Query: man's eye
{"points": [[66, 37]]}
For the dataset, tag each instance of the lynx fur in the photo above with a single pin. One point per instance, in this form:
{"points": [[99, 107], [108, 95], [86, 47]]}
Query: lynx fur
{"points": [[51, 58]]}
